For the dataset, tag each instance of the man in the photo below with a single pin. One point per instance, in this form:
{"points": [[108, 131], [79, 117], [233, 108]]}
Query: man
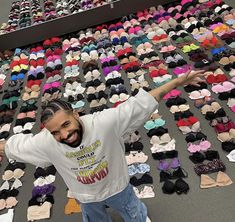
{"points": [[88, 151]]}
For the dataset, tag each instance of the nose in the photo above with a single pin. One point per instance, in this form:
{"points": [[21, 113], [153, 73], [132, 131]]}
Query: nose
{"points": [[64, 134]]}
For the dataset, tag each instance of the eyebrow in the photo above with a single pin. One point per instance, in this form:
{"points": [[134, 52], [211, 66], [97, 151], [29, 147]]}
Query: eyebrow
{"points": [[62, 125]]}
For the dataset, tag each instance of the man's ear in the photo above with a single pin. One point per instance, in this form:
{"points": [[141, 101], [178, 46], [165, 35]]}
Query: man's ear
{"points": [[76, 114]]}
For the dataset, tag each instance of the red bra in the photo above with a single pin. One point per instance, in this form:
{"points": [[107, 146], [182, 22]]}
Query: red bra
{"points": [[187, 122], [216, 79], [156, 73], [224, 127]]}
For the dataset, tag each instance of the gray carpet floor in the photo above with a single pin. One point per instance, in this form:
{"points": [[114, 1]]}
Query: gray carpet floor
{"points": [[208, 205]]}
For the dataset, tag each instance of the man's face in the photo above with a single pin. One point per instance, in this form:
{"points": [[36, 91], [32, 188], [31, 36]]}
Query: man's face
{"points": [[66, 128]]}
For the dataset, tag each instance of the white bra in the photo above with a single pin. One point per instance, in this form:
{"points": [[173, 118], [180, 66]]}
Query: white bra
{"points": [[156, 148], [165, 138], [41, 181]]}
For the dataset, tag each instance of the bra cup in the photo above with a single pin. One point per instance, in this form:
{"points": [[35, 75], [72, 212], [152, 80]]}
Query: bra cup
{"points": [[207, 182], [206, 108], [168, 187], [223, 137], [18, 173], [196, 127], [223, 179], [205, 145], [185, 129], [8, 175], [232, 133]]}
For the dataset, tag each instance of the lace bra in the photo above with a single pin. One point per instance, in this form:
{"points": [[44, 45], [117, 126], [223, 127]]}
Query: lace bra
{"points": [[209, 167], [138, 168]]}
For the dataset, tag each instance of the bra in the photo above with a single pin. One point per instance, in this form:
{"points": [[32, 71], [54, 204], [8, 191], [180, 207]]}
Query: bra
{"points": [[19, 129], [182, 115], [199, 157], [187, 122], [223, 87], [199, 94], [214, 107], [136, 157], [146, 192], [172, 94], [165, 155], [175, 101], [224, 127], [222, 180], [40, 172], [180, 108], [231, 156], [166, 164], [180, 186], [161, 148], [173, 174], [209, 167], [157, 131], [41, 181], [145, 179], [43, 190], [202, 146], [151, 124], [226, 136], [191, 137], [138, 168], [165, 138], [9, 174], [119, 98], [134, 146]]}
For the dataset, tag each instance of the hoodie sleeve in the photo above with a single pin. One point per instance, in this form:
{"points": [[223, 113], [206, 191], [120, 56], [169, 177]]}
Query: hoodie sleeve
{"points": [[130, 115], [27, 148]]}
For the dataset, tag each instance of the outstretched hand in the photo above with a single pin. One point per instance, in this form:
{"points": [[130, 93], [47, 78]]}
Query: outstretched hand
{"points": [[192, 77]]}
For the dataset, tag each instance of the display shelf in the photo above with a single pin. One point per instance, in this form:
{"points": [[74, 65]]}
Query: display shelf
{"points": [[74, 22]]}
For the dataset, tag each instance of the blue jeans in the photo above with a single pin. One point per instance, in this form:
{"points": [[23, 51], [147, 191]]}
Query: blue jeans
{"points": [[126, 203]]}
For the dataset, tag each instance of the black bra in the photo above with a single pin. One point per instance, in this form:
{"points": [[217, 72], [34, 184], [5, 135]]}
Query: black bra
{"points": [[180, 186], [175, 174], [145, 179], [157, 131], [133, 146], [40, 172], [165, 155], [191, 137], [200, 157], [39, 200]]}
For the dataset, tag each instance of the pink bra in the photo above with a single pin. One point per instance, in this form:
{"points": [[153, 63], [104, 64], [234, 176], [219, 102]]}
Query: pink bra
{"points": [[173, 93], [202, 146], [199, 94], [223, 87]]}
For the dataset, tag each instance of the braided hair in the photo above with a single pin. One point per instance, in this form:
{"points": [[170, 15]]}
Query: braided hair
{"points": [[53, 107]]}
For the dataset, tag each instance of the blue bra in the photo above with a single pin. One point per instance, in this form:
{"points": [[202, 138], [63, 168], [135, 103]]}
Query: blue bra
{"points": [[139, 168], [78, 104], [217, 50], [152, 124]]}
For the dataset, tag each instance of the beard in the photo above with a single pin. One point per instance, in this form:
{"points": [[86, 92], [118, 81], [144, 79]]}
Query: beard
{"points": [[78, 141]]}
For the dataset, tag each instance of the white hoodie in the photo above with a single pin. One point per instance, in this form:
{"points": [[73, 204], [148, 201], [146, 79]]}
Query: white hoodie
{"points": [[96, 169]]}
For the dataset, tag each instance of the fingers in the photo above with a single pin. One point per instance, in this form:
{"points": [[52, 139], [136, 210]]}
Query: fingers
{"points": [[195, 84]]}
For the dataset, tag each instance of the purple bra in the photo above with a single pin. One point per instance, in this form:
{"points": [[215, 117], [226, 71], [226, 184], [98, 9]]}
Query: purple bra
{"points": [[107, 70], [43, 190], [166, 165]]}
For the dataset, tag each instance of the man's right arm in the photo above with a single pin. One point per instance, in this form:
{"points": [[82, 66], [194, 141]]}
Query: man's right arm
{"points": [[26, 148]]}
